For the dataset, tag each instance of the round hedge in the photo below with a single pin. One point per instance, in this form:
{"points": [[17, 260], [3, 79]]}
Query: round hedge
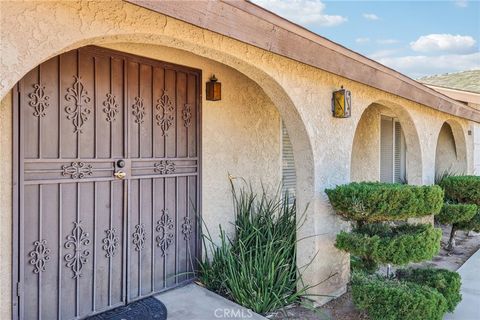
{"points": [[388, 299], [472, 224], [462, 189], [396, 245], [374, 201], [446, 282], [454, 213]]}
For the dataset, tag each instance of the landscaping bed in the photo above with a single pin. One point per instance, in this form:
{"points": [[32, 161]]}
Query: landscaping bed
{"points": [[343, 308]]}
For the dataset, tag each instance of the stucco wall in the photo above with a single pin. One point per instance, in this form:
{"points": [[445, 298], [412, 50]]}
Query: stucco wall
{"points": [[32, 32], [448, 158], [476, 135], [5, 205], [366, 144]]}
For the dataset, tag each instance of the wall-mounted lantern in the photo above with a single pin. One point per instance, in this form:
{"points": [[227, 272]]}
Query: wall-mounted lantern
{"points": [[214, 89], [341, 103]]}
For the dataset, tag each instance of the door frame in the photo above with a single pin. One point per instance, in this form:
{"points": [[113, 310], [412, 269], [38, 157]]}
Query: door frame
{"points": [[17, 175]]}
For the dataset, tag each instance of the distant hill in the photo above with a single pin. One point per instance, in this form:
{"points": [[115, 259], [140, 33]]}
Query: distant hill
{"points": [[465, 80]]}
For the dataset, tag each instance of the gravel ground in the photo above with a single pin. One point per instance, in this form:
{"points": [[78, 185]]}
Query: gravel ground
{"points": [[343, 308]]}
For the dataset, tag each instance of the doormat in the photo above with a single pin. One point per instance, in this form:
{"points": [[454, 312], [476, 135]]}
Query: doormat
{"points": [[145, 309]]}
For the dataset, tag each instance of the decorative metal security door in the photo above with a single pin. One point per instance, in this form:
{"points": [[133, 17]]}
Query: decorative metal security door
{"points": [[108, 172]]}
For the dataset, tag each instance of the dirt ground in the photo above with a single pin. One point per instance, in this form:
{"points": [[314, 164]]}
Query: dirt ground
{"points": [[343, 308]]}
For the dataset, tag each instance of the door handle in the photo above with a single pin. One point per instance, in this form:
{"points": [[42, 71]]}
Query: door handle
{"points": [[120, 175]]}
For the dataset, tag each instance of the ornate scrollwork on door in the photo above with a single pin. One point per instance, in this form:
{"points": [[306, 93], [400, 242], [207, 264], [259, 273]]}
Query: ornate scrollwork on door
{"points": [[39, 255], [77, 240], [165, 110], [79, 110], [111, 107], [39, 100], [110, 242], [138, 110], [164, 167], [187, 115], [139, 237], [187, 228], [164, 227], [77, 170]]}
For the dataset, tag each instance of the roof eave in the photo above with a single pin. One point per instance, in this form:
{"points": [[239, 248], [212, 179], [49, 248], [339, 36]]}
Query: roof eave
{"points": [[267, 31]]}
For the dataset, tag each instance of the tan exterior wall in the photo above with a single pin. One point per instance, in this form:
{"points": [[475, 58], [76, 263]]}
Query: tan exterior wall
{"points": [[33, 32], [476, 148], [448, 158], [5, 206]]}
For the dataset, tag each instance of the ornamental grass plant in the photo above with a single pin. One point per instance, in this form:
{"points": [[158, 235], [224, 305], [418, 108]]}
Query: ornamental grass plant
{"points": [[256, 265]]}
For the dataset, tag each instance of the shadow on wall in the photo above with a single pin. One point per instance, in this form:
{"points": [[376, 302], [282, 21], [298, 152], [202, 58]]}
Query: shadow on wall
{"points": [[450, 157], [386, 146]]}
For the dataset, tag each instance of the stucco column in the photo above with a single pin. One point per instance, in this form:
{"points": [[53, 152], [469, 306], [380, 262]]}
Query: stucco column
{"points": [[6, 206]]}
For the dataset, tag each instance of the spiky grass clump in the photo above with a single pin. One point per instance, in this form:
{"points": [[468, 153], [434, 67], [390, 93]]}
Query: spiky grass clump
{"points": [[256, 267]]}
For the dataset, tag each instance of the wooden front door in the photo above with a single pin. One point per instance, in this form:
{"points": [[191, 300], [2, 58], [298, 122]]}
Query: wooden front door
{"points": [[108, 182]]}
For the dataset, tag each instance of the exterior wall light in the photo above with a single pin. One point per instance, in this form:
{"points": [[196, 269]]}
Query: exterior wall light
{"points": [[214, 89], [341, 103]]}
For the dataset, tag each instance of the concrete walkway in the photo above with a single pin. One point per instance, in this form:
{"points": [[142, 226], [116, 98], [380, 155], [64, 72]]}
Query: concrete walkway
{"points": [[193, 302], [469, 308]]}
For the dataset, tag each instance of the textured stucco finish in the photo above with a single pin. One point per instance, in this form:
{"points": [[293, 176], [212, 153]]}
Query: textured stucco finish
{"points": [[32, 32], [450, 156], [476, 136], [5, 206]]}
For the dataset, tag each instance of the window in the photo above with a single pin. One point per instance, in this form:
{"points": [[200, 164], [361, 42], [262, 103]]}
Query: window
{"points": [[289, 177], [392, 151]]}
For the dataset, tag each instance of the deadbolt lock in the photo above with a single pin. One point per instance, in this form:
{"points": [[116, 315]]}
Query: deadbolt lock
{"points": [[120, 175], [121, 163]]}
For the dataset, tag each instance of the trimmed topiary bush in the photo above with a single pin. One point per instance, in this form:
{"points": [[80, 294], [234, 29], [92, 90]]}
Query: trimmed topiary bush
{"points": [[389, 299], [460, 216], [462, 189], [472, 224], [374, 202], [372, 242], [396, 245], [454, 213], [446, 282]]}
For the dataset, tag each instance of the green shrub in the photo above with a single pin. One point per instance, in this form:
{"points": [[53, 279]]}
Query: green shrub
{"points": [[396, 245], [454, 213], [446, 282], [256, 267], [388, 299], [363, 264], [462, 189], [373, 202], [472, 224]]}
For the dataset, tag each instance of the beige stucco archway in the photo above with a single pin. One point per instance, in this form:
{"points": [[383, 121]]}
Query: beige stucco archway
{"points": [[451, 150], [292, 119], [365, 160]]}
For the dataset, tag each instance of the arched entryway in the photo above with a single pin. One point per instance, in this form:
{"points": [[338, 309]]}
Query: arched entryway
{"points": [[386, 147], [302, 159], [450, 155]]}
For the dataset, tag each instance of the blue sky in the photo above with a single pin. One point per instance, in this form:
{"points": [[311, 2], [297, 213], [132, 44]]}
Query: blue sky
{"points": [[417, 38]]}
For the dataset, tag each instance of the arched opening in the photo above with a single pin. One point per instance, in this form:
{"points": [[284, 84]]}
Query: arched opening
{"points": [[256, 89], [386, 146], [450, 155]]}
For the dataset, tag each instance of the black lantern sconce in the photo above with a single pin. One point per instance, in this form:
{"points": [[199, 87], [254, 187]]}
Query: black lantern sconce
{"points": [[214, 89], [341, 103]]}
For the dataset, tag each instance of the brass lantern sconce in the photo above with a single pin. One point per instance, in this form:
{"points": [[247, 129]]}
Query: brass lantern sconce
{"points": [[342, 103], [214, 89]]}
